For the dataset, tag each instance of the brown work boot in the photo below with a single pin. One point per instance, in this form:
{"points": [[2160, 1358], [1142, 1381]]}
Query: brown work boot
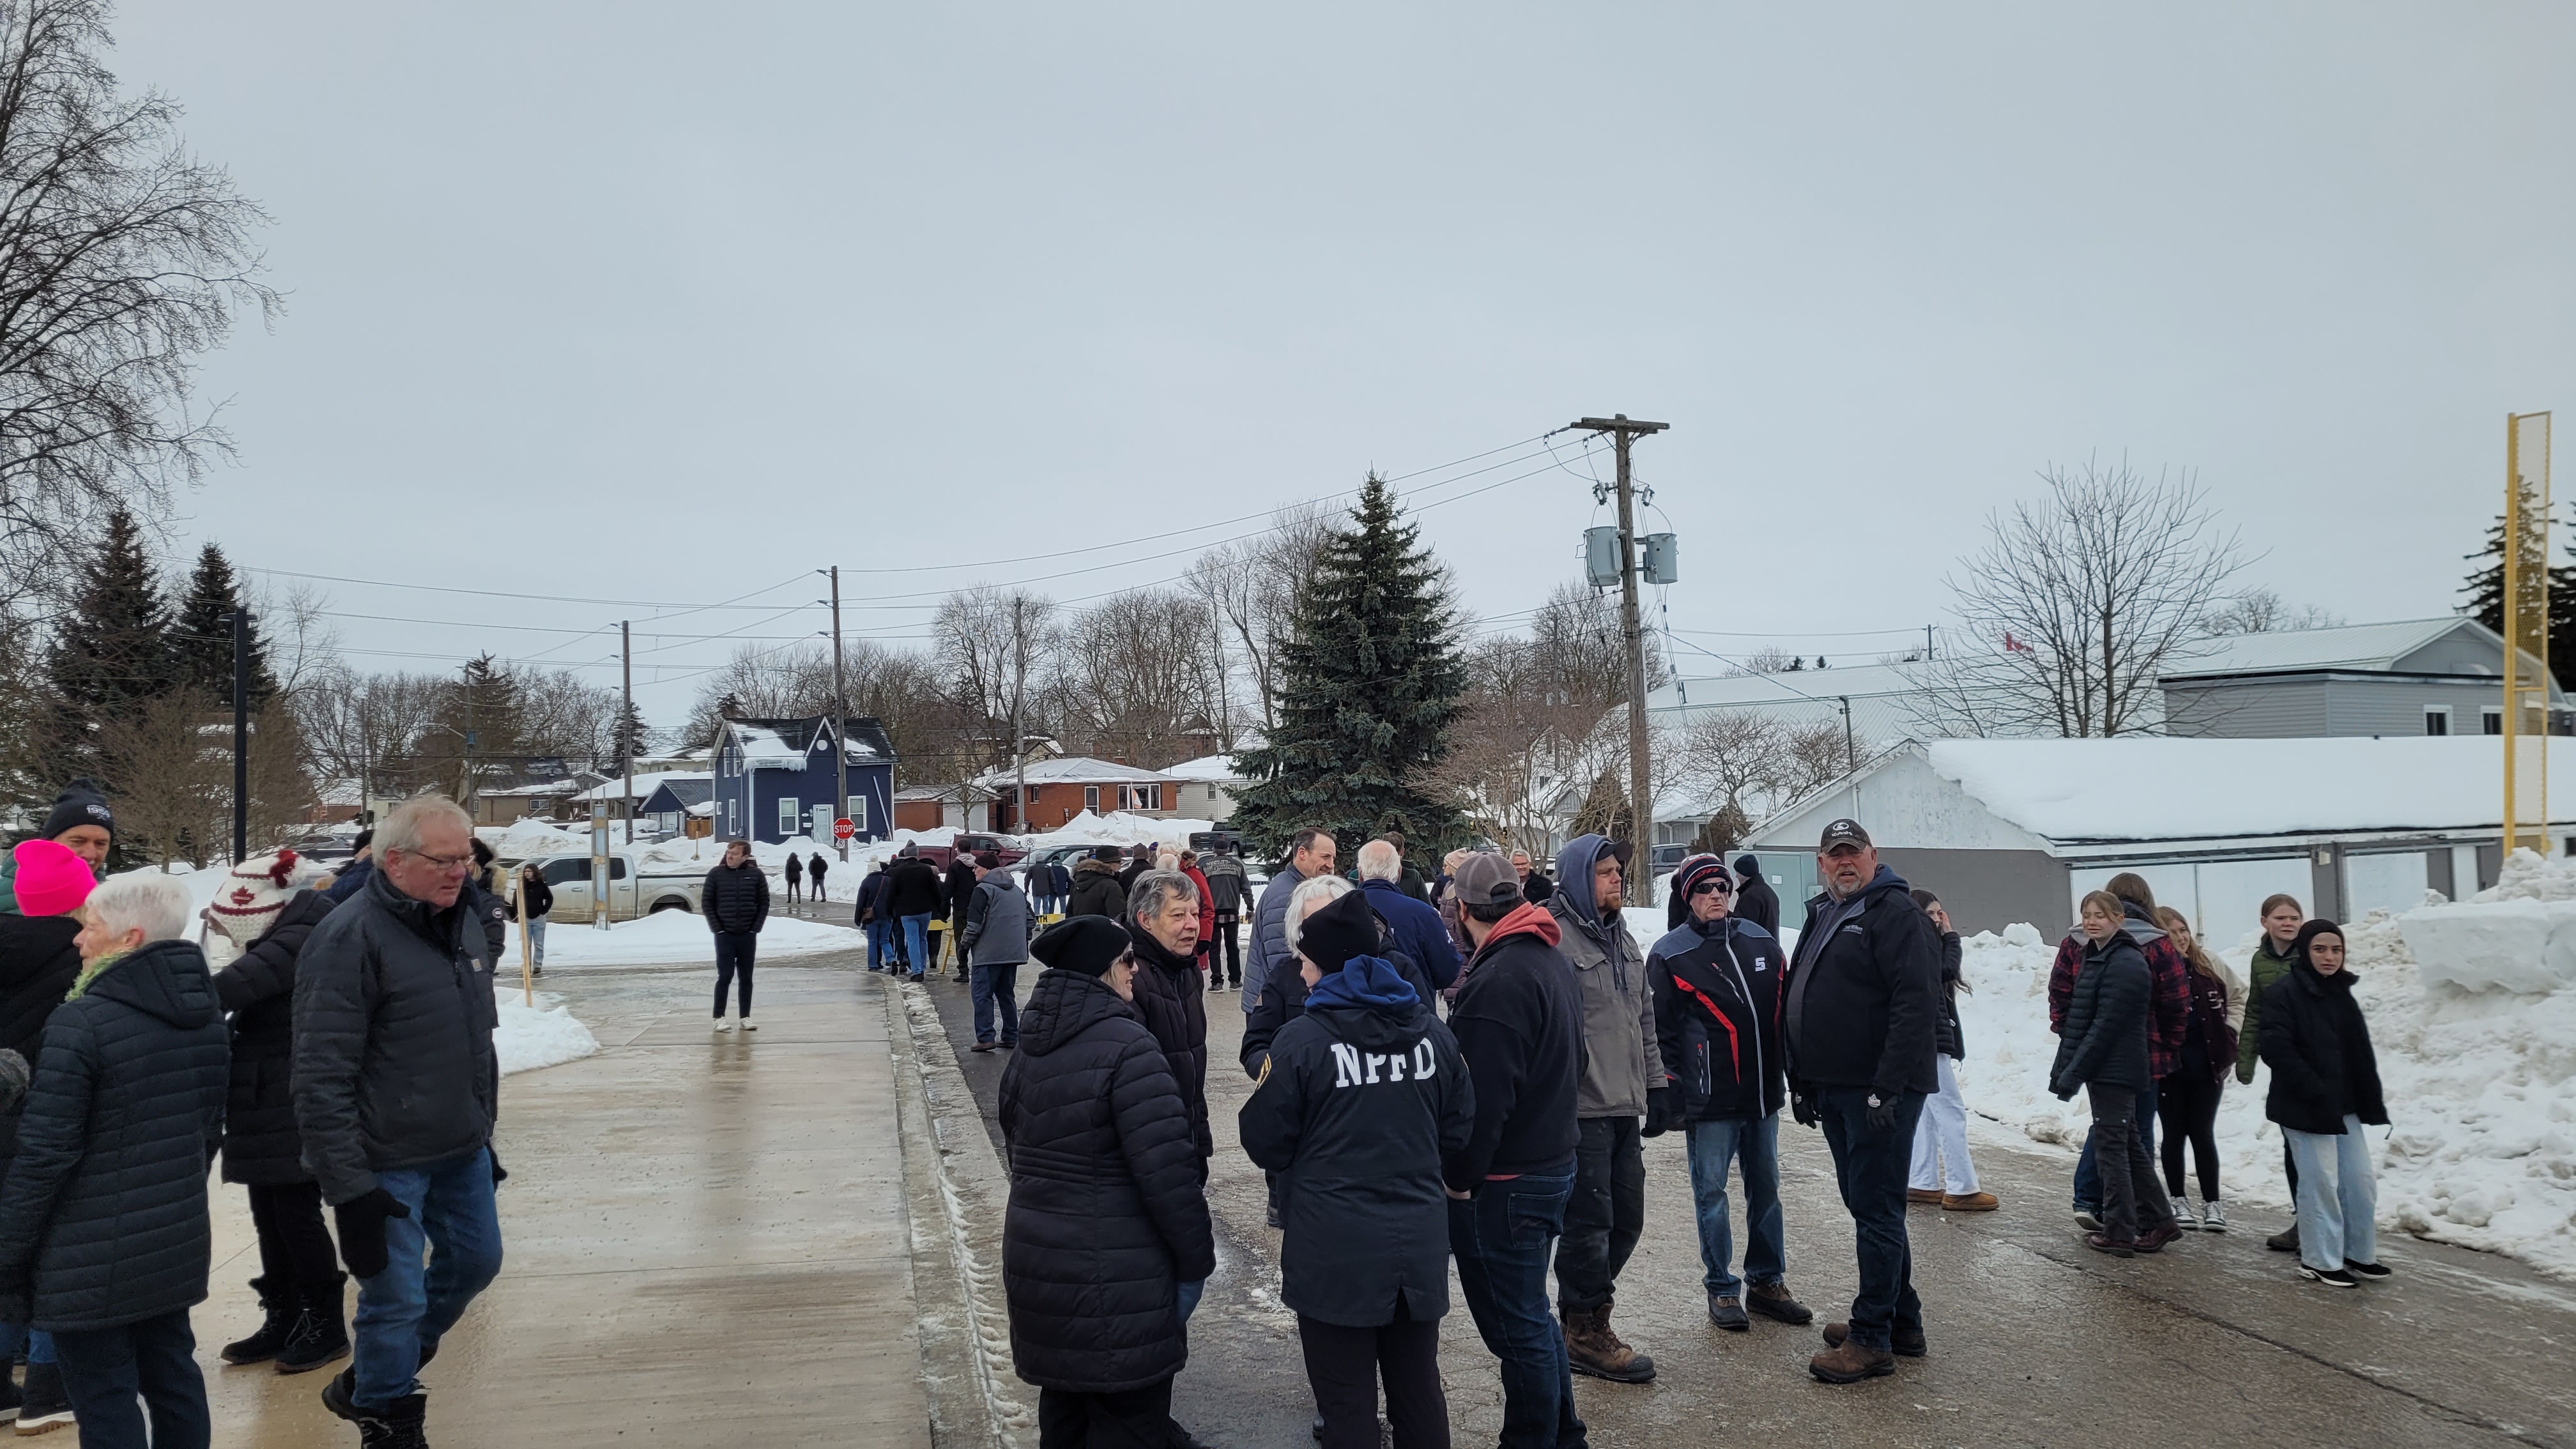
{"points": [[1919, 1196], [1908, 1343], [1772, 1300], [1968, 1202], [1591, 1348], [1848, 1363]]}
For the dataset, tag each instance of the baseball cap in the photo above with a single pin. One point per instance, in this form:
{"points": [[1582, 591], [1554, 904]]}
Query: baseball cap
{"points": [[1843, 832], [1487, 879]]}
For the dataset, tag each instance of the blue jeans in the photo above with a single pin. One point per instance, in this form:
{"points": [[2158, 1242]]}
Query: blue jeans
{"points": [[2338, 1197], [37, 1344], [992, 987], [1189, 1294], [406, 1309], [104, 1368], [1501, 1238], [1871, 1164], [877, 944], [1714, 1144], [916, 944], [537, 940], [2088, 1173]]}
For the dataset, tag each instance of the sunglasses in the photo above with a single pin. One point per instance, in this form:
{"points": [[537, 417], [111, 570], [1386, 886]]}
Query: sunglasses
{"points": [[1712, 888]]}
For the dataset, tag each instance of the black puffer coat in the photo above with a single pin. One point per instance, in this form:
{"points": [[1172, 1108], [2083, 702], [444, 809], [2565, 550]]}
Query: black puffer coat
{"points": [[261, 1145], [2104, 1038], [105, 1207], [912, 889], [38, 963], [1096, 891], [2318, 1046], [1107, 1218], [736, 897], [1172, 998], [1947, 1038]]}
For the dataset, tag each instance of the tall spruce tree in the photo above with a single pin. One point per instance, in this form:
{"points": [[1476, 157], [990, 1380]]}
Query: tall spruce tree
{"points": [[1368, 686], [627, 739], [112, 651], [201, 641], [2485, 589]]}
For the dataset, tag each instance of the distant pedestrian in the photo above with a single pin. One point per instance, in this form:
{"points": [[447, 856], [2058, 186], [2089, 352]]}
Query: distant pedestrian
{"points": [[1407, 879], [816, 867], [871, 917], [996, 943], [2102, 1051], [1413, 927], [79, 821], [912, 897], [1944, 1173], [1445, 899], [1755, 901], [1227, 893], [394, 1004], [1207, 915], [1059, 885], [2280, 918], [2168, 1009], [1858, 1025], [39, 960], [1107, 1216], [1140, 859], [957, 889], [1310, 853], [104, 1232], [794, 874], [2325, 1090], [736, 898], [1096, 889], [262, 907], [1535, 886], [536, 901], [354, 871], [1364, 1260], [2187, 1100]]}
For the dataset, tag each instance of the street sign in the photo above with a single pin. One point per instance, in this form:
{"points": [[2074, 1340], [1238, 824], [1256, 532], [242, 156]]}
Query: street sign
{"points": [[843, 829]]}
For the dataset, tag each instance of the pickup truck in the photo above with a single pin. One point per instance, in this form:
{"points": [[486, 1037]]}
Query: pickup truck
{"points": [[940, 855], [632, 890]]}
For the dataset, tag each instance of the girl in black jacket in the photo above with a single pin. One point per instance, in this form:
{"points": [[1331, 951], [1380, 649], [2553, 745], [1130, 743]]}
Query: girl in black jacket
{"points": [[2325, 1089], [1107, 1218], [536, 901], [2102, 1048], [1362, 1095]]}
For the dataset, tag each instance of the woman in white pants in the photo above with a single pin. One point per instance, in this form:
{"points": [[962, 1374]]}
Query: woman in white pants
{"points": [[1943, 1173]]}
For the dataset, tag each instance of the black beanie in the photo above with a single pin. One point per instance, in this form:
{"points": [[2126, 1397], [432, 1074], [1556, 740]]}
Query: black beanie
{"points": [[1087, 944], [1341, 928], [81, 803]]}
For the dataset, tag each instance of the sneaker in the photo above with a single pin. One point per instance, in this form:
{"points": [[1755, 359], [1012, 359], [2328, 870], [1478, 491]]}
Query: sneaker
{"points": [[1727, 1312], [1968, 1202], [2213, 1218], [2185, 1219], [2331, 1277], [2372, 1271], [749, 1025], [723, 1025], [46, 1406], [2284, 1241], [2089, 1219], [1772, 1300], [1908, 1343]]}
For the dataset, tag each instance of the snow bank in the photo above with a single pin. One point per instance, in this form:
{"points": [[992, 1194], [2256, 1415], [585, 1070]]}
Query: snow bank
{"points": [[528, 836], [2481, 1087], [2518, 935], [670, 938], [544, 1035], [1120, 827]]}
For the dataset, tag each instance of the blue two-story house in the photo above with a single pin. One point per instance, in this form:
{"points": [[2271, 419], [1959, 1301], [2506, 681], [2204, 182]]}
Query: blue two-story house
{"points": [[775, 778]]}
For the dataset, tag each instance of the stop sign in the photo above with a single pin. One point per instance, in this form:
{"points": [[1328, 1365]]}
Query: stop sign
{"points": [[843, 830]]}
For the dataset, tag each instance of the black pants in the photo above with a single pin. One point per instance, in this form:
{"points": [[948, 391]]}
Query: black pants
{"points": [[295, 1256], [104, 1368], [1136, 1419], [1344, 1365], [2187, 1105], [1226, 945], [733, 954], [1606, 1215], [2132, 1201], [791, 890]]}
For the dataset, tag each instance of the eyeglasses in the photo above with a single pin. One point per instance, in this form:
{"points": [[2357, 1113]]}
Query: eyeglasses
{"points": [[443, 862], [1712, 888]]}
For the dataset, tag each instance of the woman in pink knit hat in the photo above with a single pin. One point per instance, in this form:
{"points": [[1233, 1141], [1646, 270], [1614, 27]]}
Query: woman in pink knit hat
{"points": [[47, 881]]}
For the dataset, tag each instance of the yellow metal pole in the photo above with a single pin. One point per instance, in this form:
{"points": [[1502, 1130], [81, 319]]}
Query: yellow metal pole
{"points": [[2512, 621]]}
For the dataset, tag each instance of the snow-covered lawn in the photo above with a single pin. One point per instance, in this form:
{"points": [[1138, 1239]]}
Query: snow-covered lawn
{"points": [[670, 938]]}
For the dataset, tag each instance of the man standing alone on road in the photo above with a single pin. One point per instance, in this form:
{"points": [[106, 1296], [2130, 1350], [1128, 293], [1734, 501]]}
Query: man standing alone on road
{"points": [[736, 900], [393, 1004], [995, 939], [1862, 1002], [1622, 1062]]}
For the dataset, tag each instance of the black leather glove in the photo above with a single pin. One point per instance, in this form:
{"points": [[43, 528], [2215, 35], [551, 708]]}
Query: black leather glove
{"points": [[362, 1230], [1802, 1107], [1882, 1114], [1659, 1111]]}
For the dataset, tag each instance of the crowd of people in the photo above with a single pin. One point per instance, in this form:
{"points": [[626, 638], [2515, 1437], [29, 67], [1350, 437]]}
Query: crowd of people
{"points": [[1464, 1077]]}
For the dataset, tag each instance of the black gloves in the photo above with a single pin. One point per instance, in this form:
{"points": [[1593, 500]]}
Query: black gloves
{"points": [[1659, 1111], [1882, 1113], [1802, 1107], [362, 1230], [500, 1174]]}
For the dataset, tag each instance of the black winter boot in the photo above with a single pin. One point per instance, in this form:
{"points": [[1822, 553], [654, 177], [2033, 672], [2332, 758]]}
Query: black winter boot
{"points": [[401, 1424], [262, 1346], [321, 1331]]}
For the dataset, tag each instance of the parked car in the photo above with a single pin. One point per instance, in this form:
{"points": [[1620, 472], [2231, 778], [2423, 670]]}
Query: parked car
{"points": [[1002, 845], [632, 890]]}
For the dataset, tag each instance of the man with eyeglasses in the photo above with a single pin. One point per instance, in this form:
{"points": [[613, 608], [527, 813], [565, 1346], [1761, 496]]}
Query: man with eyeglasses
{"points": [[1717, 994], [396, 1092]]}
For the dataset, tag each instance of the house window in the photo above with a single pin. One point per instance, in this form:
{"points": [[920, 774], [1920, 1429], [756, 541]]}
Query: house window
{"points": [[1140, 797], [2491, 719], [1033, 796], [858, 812], [2437, 719], [787, 815], [1091, 798]]}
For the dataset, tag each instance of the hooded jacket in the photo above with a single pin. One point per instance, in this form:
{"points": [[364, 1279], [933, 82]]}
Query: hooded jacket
{"points": [[1106, 1218], [104, 1210], [1096, 891], [2168, 1010], [911, 889], [997, 922], [1755, 902], [794, 870], [38, 963], [1717, 1017], [1362, 1097], [1519, 1025], [1416, 929], [1283, 999], [736, 897], [393, 1039], [817, 867], [261, 1145], [1173, 1002], [1621, 1056], [2103, 1041], [1225, 882], [1863, 992], [2318, 1046]]}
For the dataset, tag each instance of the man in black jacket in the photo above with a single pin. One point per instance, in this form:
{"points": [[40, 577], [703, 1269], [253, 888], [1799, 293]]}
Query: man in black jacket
{"points": [[1226, 894], [870, 916], [393, 1005], [1519, 1025], [912, 897], [1755, 901], [1858, 1027], [1717, 996], [736, 903], [958, 889]]}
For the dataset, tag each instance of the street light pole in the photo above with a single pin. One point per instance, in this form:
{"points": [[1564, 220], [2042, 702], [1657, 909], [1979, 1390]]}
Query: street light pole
{"points": [[840, 722]]}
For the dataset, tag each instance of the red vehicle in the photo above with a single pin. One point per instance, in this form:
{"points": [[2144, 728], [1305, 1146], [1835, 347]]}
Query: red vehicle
{"points": [[941, 855]]}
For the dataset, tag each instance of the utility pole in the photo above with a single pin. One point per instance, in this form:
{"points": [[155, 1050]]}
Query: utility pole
{"points": [[1019, 705], [241, 735], [1641, 801], [840, 722], [625, 714]]}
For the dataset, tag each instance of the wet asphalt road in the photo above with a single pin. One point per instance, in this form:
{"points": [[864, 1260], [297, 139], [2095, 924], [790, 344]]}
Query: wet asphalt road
{"points": [[2034, 1339]]}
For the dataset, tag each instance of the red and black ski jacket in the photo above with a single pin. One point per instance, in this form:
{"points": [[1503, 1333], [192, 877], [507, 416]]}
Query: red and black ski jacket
{"points": [[1717, 1015]]}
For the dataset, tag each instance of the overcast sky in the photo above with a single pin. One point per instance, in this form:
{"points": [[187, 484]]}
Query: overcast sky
{"points": [[669, 303]]}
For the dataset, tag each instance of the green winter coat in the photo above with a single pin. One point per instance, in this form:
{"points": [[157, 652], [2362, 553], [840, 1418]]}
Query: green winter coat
{"points": [[2266, 968]]}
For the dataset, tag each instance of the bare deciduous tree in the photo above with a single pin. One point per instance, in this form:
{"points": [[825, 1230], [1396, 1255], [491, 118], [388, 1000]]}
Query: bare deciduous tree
{"points": [[2079, 600], [1251, 587], [2262, 611], [1129, 683], [991, 646]]}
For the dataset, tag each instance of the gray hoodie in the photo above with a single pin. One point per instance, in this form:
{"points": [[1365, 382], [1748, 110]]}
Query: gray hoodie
{"points": [[1621, 1058]]}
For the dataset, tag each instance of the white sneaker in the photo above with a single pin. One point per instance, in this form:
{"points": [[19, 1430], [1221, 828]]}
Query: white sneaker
{"points": [[747, 1025], [723, 1025], [2213, 1218]]}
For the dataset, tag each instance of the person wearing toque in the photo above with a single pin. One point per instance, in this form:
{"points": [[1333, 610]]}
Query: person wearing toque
{"points": [[79, 821], [1361, 1097], [39, 960], [1107, 1215], [1858, 1025]]}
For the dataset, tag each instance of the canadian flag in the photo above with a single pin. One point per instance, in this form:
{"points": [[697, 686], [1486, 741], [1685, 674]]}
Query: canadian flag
{"points": [[2015, 646]]}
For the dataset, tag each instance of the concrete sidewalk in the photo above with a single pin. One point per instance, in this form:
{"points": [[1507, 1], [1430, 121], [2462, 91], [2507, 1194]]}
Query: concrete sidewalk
{"points": [[709, 1240]]}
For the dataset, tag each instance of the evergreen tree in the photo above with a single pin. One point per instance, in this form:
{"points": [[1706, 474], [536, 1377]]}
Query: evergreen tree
{"points": [[2486, 601], [201, 641], [628, 738], [1368, 685], [112, 652]]}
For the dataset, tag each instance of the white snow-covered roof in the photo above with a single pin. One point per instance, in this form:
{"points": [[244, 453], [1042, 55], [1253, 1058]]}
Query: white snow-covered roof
{"points": [[783, 744], [645, 784], [2156, 788], [1214, 769], [1074, 770], [2350, 646]]}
